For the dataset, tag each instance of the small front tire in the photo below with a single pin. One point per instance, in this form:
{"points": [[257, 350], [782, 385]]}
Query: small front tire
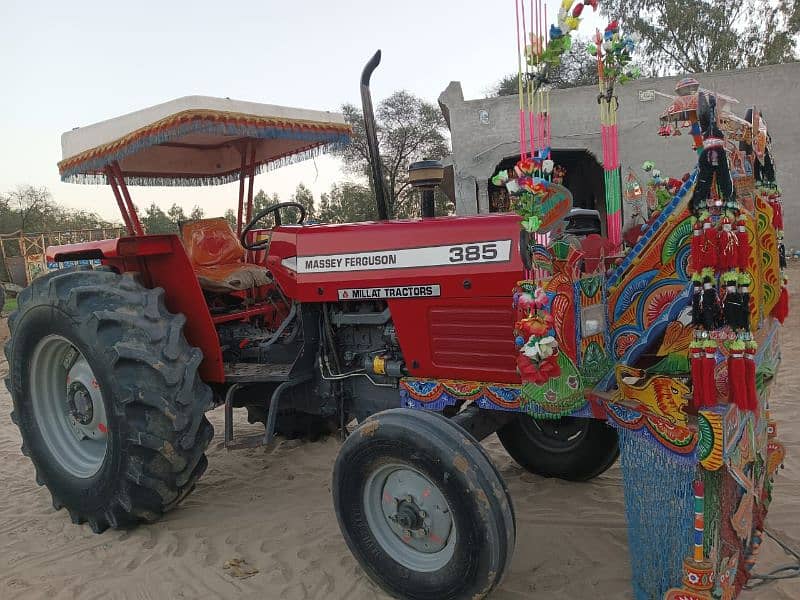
{"points": [[422, 508]]}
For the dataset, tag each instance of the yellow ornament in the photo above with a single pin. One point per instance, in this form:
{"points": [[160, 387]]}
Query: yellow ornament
{"points": [[572, 23], [565, 4]]}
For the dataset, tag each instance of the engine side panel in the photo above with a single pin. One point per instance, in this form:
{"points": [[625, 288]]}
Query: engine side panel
{"points": [[447, 282]]}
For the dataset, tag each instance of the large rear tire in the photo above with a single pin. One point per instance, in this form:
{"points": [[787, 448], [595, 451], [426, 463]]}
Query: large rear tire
{"points": [[107, 397], [422, 508], [571, 448]]}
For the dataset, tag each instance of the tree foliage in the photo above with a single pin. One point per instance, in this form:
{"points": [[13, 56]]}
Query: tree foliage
{"points": [[155, 220], [409, 129], [577, 68], [347, 203], [31, 209], [708, 35]]}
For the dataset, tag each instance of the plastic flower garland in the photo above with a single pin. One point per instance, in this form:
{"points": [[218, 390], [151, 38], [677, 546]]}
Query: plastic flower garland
{"points": [[526, 189], [537, 360], [615, 51]]}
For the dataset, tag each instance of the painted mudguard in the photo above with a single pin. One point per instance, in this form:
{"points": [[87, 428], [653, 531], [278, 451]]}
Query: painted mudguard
{"points": [[161, 261], [447, 282]]}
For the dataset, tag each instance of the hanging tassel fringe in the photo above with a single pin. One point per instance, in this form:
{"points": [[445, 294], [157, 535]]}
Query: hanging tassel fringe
{"points": [[750, 375], [737, 383], [697, 356], [781, 309], [709, 376]]}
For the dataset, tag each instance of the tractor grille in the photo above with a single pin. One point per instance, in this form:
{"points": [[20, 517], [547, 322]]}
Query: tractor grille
{"points": [[472, 337]]}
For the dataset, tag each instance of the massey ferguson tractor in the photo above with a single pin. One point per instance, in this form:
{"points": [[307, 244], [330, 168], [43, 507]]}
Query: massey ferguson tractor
{"points": [[306, 326]]}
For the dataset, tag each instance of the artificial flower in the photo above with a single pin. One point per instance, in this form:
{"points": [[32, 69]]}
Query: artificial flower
{"points": [[572, 23], [500, 179], [531, 224], [540, 298]]}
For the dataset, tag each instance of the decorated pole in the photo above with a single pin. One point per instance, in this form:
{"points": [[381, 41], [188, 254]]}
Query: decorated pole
{"points": [[613, 53], [698, 573], [699, 524]]}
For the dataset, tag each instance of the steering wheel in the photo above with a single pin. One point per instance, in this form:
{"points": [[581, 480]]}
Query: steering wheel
{"points": [[275, 208]]}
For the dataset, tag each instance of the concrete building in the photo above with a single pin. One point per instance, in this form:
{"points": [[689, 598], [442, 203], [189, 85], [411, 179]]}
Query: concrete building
{"points": [[485, 135]]}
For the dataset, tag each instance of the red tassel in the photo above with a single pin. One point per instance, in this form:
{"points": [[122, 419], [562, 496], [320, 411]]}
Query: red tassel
{"points": [[728, 247], [777, 213], [697, 247], [750, 376], [743, 246], [698, 388], [709, 378], [781, 309], [736, 379], [708, 254]]}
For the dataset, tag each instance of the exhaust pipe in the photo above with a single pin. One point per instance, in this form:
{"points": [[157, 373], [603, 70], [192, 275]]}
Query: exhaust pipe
{"points": [[372, 137]]}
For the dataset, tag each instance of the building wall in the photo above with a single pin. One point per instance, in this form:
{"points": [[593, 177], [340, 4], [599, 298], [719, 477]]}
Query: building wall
{"points": [[485, 131]]}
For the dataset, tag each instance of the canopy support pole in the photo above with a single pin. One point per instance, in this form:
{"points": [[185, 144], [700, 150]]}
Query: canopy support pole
{"points": [[251, 173], [239, 215], [122, 210], [137, 225]]}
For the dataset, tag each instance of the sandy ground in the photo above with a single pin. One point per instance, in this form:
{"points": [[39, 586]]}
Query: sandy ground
{"points": [[273, 509]]}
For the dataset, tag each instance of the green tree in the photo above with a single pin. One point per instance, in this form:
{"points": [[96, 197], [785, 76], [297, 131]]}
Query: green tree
{"points": [[197, 213], [156, 220], [577, 68], [176, 215], [32, 209], [230, 217], [302, 195], [409, 129], [347, 203], [706, 35]]}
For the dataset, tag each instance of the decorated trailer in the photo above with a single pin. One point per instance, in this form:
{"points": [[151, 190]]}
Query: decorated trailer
{"points": [[669, 333], [659, 346]]}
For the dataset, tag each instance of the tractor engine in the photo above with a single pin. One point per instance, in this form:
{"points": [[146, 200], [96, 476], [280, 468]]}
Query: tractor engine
{"points": [[369, 357]]}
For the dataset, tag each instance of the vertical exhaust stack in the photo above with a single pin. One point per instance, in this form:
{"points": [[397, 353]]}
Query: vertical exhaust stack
{"points": [[372, 137]]}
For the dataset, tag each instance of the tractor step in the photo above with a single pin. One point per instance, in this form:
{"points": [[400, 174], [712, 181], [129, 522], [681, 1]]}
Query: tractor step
{"points": [[257, 373], [254, 441]]}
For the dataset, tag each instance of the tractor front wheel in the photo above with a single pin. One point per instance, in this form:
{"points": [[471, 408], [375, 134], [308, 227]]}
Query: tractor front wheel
{"points": [[107, 397], [571, 448], [422, 508]]}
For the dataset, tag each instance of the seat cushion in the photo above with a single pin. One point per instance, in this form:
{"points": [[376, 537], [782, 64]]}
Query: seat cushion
{"points": [[211, 242], [231, 278]]}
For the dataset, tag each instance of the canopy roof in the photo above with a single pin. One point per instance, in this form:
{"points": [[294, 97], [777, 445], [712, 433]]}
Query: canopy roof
{"points": [[198, 140], [684, 108]]}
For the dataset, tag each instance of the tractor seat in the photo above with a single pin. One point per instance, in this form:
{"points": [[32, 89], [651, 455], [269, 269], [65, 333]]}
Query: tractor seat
{"points": [[217, 257]]}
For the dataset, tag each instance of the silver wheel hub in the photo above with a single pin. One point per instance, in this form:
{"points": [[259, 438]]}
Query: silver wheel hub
{"points": [[68, 406], [410, 518]]}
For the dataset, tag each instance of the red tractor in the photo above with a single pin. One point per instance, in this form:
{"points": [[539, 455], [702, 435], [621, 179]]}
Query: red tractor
{"points": [[307, 326]]}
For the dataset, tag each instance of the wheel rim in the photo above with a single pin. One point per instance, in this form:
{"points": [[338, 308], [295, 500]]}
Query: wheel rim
{"points": [[68, 406], [409, 517], [557, 435]]}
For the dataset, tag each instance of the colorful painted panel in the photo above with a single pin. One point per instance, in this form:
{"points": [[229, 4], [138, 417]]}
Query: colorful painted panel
{"points": [[768, 254], [433, 394]]}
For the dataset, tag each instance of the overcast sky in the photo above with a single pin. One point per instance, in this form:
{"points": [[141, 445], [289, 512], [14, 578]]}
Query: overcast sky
{"points": [[70, 63]]}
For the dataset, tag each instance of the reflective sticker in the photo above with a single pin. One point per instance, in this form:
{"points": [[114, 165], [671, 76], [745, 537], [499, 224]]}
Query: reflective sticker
{"points": [[390, 293], [430, 256]]}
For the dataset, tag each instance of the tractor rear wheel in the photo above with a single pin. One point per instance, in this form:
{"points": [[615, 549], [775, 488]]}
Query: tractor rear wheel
{"points": [[571, 448], [107, 397], [422, 508]]}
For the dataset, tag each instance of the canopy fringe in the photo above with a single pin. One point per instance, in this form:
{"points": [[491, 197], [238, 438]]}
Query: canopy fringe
{"points": [[88, 166]]}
